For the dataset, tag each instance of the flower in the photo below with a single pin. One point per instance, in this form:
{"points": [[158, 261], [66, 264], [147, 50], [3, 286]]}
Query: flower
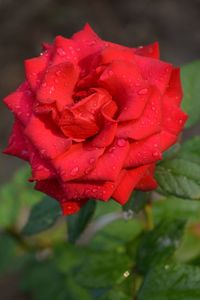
{"points": [[94, 117]]}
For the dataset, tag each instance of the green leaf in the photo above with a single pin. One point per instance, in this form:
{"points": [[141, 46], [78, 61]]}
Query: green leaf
{"points": [[7, 252], [15, 195], [43, 215], [171, 282], [69, 256], [159, 244], [117, 234], [9, 206], [103, 269], [137, 201], [78, 222], [115, 294], [45, 282], [171, 207], [181, 176], [190, 76]]}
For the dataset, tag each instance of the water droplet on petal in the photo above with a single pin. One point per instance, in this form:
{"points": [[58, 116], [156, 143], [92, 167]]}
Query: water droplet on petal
{"points": [[74, 171], [143, 91], [44, 84], [60, 51], [156, 154], [121, 142], [111, 149], [92, 160]]}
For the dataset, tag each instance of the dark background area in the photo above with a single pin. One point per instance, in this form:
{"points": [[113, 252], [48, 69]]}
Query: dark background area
{"points": [[25, 24]]}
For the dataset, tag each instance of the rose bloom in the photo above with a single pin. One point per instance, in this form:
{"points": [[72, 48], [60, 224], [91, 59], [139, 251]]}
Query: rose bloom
{"points": [[93, 117]]}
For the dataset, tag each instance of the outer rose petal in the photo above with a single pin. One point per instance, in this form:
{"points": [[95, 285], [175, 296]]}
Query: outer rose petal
{"points": [[53, 188], [41, 168], [149, 123], [64, 51], [173, 117], [156, 72], [88, 47], [20, 103], [174, 92], [17, 142], [86, 190], [35, 68], [167, 139], [48, 142], [144, 152], [58, 85], [79, 160], [151, 50], [112, 53], [128, 181], [110, 163], [147, 182]]}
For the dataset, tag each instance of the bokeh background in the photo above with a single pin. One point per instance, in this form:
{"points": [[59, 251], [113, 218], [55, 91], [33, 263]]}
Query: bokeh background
{"points": [[25, 24]]}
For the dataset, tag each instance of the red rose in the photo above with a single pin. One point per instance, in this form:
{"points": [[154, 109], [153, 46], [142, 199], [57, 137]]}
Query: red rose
{"points": [[93, 118]]}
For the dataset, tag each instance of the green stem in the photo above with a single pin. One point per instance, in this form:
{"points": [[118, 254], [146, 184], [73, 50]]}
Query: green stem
{"points": [[149, 224]]}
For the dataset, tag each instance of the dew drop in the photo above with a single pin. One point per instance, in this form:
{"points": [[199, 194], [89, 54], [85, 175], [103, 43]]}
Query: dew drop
{"points": [[74, 171], [87, 171], [60, 51], [92, 160], [58, 72], [143, 91], [156, 154], [111, 149], [121, 142], [44, 84]]}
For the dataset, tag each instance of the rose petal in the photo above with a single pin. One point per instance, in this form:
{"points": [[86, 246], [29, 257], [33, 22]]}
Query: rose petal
{"points": [[149, 122], [77, 161], [124, 82], [128, 181], [174, 92], [78, 126], [17, 145], [167, 139], [151, 50], [155, 71], [41, 168], [114, 52], [53, 188], [87, 190], [35, 68], [173, 118], [88, 47], [110, 163], [65, 51], [144, 152], [147, 183], [45, 138], [106, 136], [58, 85], [20, 103]]}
